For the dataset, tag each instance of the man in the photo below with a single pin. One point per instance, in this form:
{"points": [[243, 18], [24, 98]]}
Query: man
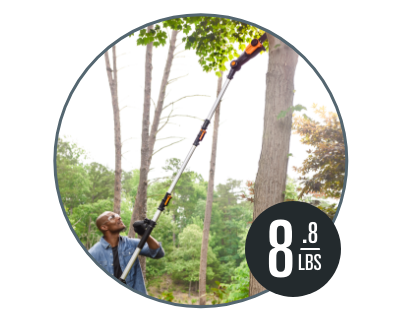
{"points": [[113, 251]]}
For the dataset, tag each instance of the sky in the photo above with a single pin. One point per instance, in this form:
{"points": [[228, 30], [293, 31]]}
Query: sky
{"points": [[88, 120]]}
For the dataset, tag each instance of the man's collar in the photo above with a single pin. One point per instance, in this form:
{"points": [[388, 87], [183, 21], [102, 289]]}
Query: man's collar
{"points": [[105, 244]]}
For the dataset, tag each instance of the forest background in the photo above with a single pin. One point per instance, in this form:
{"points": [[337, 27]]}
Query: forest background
{"points": [[87, 185]]}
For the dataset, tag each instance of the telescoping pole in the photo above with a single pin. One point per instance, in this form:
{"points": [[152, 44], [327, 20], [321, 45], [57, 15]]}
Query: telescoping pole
{"points": [[253, 49]]}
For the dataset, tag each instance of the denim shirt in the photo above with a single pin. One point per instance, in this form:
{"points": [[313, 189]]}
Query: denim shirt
{"points": [[102, 253]]}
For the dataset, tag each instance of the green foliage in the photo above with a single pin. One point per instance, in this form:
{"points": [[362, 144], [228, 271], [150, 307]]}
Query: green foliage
{"points": [[185, 263], [183, 217], [72, 176], [130, 183], [101, 182], [215, 40], [156, 35], [239, 287], [163, 233], [190, 189], [290, 110], [291, 190], [327, 158], [219, 293], [329, 209], [83, 220], [167, 296]]}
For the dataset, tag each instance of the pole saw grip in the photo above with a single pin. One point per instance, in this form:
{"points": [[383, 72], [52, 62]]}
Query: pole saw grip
{"points": [[150, 226]]}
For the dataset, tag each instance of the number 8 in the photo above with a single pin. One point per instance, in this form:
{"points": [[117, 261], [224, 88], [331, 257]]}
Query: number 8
{"points": [[273, 239]]}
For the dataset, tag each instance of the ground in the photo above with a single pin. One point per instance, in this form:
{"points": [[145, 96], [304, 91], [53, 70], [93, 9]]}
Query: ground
{"points": [[164, 288]]}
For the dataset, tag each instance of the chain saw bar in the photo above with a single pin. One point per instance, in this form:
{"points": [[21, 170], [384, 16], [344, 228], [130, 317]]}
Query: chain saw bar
{"points": [[252, 50]]}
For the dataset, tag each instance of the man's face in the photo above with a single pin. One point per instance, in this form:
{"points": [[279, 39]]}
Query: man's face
{"points": [[113, 222]]}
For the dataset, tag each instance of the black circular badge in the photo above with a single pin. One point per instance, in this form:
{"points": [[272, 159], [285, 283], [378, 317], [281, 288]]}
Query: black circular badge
{"points": [[293, 249]]}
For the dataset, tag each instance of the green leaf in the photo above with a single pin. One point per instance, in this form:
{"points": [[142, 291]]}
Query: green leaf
{"points": [[282, 114], [298, 107]]}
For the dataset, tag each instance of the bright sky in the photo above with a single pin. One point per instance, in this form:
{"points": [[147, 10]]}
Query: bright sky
{"points": [[88, 120]]}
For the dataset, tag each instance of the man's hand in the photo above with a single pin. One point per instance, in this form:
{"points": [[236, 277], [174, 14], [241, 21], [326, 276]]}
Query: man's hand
{"points": [[140, 227]]}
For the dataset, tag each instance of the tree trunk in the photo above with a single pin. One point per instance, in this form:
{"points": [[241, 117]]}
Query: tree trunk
{"points": [[140, 206], [161, 96], [207, 215], [270, 182], [113, 83]]}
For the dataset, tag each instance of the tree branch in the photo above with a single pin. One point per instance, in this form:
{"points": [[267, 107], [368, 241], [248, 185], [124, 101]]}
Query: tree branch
{"points": [[168, 146], [154, 104], [172, 109], [178, 53], [156, 179], [127, 140], [169, 138], [194, 95], [183, 115], [174, 79], [123, 108], [122, 68], [76, 223]]}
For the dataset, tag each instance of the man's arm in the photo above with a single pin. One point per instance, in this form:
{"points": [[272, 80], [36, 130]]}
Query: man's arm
{"points": [[152, 249], [152, 243]]}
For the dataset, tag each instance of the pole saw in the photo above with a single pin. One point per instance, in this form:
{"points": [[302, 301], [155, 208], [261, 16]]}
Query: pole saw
{"points": [[252, 50]]}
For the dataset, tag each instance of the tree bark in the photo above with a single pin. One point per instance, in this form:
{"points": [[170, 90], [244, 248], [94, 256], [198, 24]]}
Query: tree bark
{"points": [[270, 182], [140, 206], [161, 96], [113, 83], [207, 215]]}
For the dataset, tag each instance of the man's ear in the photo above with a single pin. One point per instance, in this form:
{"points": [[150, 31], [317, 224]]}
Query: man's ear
{"points": [[103, 228]]}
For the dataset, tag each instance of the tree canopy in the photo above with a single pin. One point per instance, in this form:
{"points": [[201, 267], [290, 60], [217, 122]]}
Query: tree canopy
{"points": [[216, 40], [326, 156]]}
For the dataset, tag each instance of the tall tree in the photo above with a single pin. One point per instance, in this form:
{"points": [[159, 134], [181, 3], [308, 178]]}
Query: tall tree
{"points": [[140, 208], [270, 181], [113, 83], [210, 194], [212, 38], [149, 136], [161, 96]]}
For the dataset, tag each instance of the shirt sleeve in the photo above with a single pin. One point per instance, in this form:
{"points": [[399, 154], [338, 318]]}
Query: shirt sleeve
{"points": [[146, 251], [152, 253]]}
